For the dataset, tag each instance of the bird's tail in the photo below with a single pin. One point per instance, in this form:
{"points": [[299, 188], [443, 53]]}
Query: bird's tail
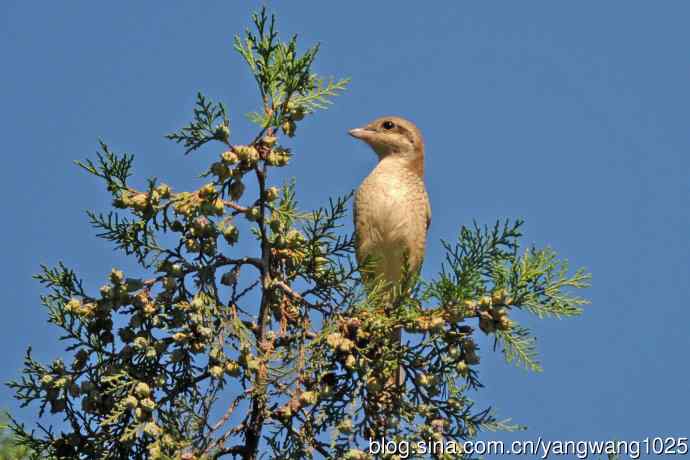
{"points": [[384, 399]]}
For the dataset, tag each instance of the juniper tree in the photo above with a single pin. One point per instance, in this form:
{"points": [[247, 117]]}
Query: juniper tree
{"points": [[198, 362]]}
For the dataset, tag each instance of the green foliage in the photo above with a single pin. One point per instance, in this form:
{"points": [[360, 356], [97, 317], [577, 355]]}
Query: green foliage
{"points": [[288, 88], [210, 123], [114, 169], [10, 449], [286, 343]]}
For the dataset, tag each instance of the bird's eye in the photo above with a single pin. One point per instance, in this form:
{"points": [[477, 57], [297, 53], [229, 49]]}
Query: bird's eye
{"points": [[388, 125]]}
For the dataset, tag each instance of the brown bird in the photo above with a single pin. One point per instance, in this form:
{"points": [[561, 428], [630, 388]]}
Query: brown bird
{"points": [[392, 212]]}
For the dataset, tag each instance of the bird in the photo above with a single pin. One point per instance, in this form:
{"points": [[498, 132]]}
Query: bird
{"points": [[392, 212]]}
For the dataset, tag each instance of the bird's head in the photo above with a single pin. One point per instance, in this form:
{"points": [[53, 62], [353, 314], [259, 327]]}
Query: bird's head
{"points": [[393, 136]]}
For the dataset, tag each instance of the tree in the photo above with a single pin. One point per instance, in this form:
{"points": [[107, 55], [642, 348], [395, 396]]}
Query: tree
{"points": [[297, 355]]}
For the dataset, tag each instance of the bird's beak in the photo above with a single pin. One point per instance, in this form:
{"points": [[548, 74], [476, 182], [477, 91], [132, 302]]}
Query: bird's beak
{"points": [[361, 133]]}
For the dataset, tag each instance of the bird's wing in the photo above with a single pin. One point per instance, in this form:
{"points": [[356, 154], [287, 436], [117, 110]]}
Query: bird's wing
{"points": [[428, 211], [428, 217]]}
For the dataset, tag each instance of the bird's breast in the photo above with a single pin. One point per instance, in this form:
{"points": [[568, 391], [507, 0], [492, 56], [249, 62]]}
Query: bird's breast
{"points": [[391, 211]]}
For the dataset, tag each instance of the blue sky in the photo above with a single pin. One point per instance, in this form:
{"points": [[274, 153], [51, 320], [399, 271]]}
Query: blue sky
{"points": [[572, 116]]}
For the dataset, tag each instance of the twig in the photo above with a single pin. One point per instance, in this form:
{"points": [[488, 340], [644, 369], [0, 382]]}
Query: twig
{"points": [[294, 294], [235, 206]]}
